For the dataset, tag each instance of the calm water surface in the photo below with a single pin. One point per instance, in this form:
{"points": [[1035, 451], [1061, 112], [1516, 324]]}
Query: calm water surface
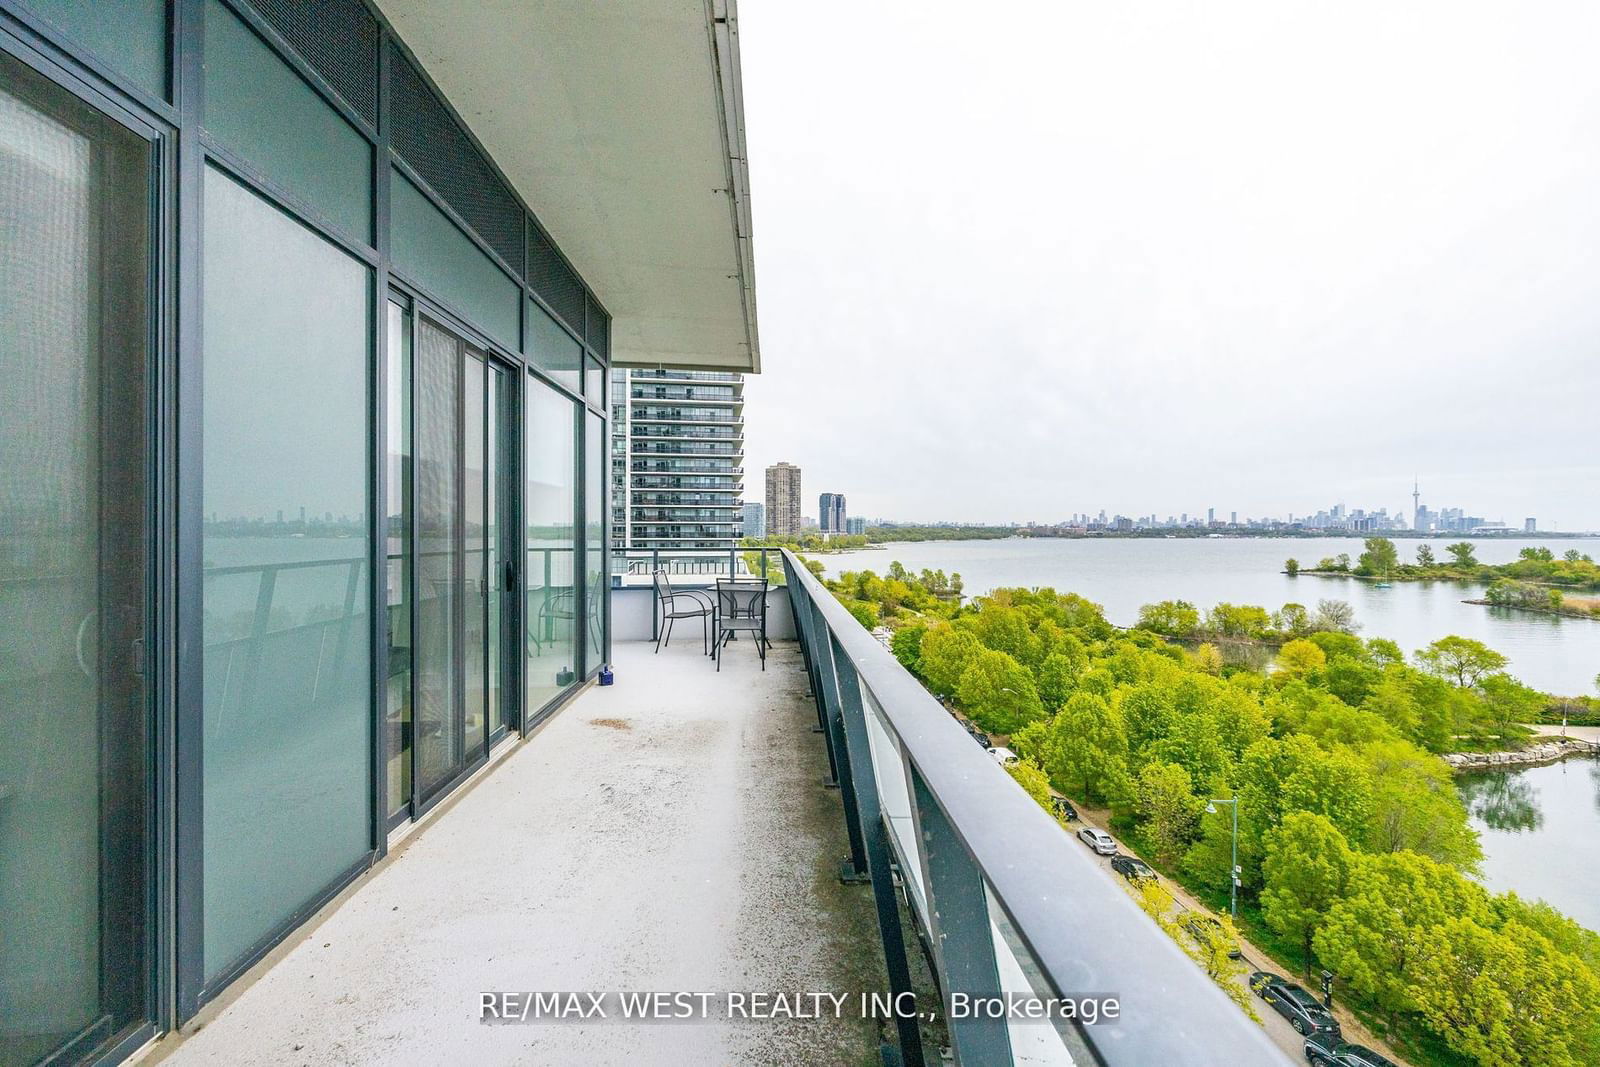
{"points": [[1548, 652], [1540, 829]]}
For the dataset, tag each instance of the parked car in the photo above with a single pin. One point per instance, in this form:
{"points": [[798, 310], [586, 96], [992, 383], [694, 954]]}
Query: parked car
{"points": [[1063, 807], [1203, 928], [1304, 1011], [1324, 1050], [1098, 840], [1131, 867], [979, 736], [1003, 756]]}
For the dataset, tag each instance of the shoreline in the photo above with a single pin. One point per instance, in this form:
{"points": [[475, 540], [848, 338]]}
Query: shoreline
{"points": [[1548, 750], [1560, 613]]}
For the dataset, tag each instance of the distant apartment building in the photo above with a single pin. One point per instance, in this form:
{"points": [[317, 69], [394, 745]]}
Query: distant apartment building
{"points": [[855, 526], [677, 447], [755, 520], [831, 513], [783, 500]]}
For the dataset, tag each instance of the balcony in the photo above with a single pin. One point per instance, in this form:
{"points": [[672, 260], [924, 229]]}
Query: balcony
{"points": [[676, 832]]}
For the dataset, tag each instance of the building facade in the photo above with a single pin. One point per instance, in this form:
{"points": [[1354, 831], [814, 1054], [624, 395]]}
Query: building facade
{"points": [[678, 441], [755, 520], [856, 526], [783, 500], [831, 513], [251, 634]]}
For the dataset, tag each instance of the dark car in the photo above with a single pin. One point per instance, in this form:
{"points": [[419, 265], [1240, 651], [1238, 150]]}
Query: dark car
{"points": [[1063, 807], [1131, 867], [1203, 928], [1325, 1050], [979, 736], [1304, 1011]]}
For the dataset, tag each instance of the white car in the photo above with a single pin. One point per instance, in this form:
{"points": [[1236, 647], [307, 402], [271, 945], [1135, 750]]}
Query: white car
{"points": [[1098, 840], [1003, 756]]}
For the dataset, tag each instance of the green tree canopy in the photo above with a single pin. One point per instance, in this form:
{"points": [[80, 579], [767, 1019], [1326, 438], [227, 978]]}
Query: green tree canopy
{"points": [[1087, 750], [1461, 660], [1380, 557], [1461, 554], [998, 693], [1306, 869]]}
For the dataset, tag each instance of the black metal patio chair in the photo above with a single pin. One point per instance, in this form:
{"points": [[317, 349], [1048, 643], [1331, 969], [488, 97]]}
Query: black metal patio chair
{"points": [[682, 604], [741, 608]]}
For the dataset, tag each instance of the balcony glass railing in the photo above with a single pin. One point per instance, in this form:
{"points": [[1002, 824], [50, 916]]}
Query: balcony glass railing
{"points": [[660, 414], [724, 394], [686, 375], [1010, 904]]}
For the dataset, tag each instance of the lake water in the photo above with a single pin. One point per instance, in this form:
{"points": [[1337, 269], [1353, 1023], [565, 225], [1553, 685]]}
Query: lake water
{"points": [[1547, 652], [1540, 829]]}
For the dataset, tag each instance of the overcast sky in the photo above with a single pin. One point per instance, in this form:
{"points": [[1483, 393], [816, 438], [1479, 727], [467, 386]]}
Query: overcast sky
{"points": [[1023, 260]]}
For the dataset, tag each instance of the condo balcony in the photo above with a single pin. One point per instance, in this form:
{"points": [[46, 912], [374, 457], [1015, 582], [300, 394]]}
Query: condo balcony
{"points": [[816, 822]]}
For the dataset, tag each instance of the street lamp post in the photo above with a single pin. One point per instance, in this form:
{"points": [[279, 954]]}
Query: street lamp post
{"points": [[1233, 871]]}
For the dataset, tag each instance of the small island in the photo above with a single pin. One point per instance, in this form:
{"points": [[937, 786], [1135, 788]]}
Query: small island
{"points": [[1537, 580]]}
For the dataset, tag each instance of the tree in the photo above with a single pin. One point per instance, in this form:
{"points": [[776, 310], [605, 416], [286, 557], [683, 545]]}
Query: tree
{"points": [[1374, 935], [1291, 566], [1238, 620], [1506, 996], [1460, 659], [1300, 657], [1169, 807], [1508, 702], [1172, 618], [1033, 782], [1207, 658], [1292, 619], [1060, 671], [906, 644], [1336, 616], [1424, 555], [1461, 555], [1087, 750], [1380, 557], [945, 653], [998, 693], [1307, 868], [1416, 807]]}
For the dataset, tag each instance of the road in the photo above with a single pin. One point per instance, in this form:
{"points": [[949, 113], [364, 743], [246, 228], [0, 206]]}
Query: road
{"points": [[1277, 1027]]}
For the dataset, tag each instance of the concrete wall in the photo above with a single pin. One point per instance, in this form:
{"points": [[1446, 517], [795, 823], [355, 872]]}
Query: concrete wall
{"points": [[632, 607]]}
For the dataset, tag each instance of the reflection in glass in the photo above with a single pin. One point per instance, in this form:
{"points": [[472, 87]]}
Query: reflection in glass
{"points": [[397, 542], [549, 503], [440, 566], [286, 747], [594, 525], [74, 273], [474, 597]]}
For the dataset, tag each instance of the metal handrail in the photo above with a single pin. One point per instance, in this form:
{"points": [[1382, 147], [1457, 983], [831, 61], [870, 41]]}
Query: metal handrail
{"points": [[1081, 932]]}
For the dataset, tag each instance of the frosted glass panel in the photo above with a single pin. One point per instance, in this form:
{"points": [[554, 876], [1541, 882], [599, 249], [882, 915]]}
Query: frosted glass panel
{"points": [[259, 107], [554, 350], [427, 246], [129, 35], [287, 747]]}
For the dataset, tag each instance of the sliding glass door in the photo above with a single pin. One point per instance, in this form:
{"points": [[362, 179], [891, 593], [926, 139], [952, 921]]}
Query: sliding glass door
{"points": [[460, 495], [75, 725]]}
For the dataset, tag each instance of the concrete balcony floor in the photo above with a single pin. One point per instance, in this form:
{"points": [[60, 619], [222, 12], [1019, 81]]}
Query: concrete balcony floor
{"points": [[667, 833]]}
